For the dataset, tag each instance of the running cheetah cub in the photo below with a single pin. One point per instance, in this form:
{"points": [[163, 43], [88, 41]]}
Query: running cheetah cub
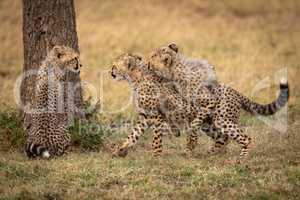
{"points": [[157, 102], [227, 102]]}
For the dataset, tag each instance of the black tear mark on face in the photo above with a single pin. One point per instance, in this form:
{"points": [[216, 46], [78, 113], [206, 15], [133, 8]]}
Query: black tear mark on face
{"points": [[129, 64], [77, 64], [148, 65], [112, 72], [166, 60]]}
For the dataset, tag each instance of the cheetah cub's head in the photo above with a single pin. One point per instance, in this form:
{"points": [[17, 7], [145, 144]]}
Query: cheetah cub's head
{"points": [[64, 61], [162, 59], [127, 67]]}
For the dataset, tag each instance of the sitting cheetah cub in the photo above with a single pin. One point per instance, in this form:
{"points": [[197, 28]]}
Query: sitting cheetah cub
{"points": [[47, 135]]}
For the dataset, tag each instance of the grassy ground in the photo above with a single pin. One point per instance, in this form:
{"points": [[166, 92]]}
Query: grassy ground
{"points": [[271, 172], [252, 44]]}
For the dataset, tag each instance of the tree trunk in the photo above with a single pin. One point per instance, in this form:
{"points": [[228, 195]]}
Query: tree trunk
{"points": [[47, 23]]}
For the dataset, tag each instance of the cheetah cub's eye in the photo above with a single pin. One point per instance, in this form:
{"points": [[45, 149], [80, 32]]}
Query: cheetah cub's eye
{"points": [[129, 63], [59, 55]]}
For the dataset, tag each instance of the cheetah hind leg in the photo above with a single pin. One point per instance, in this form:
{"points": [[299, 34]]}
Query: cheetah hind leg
{"points": [[234, 132], [220, 144], [192, 140], [175, 130], [215, 134]]}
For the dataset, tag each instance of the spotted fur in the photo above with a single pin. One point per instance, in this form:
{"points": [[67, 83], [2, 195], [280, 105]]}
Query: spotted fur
{"points": [[48, 133], [157, 102], [198, 87]]}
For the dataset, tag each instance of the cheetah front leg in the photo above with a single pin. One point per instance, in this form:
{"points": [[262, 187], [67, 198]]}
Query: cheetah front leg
{"points": [[159, 126], [134, 136], [203, 114], [195, 126]]}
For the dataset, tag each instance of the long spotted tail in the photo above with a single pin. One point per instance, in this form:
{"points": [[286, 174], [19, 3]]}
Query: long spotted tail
{"points": [[271, 108]]}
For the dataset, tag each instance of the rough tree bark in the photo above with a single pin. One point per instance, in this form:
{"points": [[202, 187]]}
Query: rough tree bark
{"points": [[46, 24]]}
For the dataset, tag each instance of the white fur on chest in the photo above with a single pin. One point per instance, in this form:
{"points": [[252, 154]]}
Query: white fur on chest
{"points": [[136, 102]]}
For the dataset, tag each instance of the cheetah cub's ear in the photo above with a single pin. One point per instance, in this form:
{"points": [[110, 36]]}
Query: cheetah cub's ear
{"points": [[138, 56], [174, 47], [132, 60]]}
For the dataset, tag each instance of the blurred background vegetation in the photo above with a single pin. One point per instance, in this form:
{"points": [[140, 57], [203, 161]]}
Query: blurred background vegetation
{"points": [[250, 43], [247, 41]]}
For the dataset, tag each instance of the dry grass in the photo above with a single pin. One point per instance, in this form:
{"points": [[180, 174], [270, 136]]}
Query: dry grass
{"points": [[272, 172], [246, 41]]}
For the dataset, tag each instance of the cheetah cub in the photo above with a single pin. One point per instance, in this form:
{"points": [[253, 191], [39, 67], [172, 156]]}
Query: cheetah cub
{"points": [[47, 135], [157, 102], [227, 103]]}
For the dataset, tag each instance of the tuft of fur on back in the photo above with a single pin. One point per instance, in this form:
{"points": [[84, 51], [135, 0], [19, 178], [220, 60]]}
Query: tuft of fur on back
{"points": [[203, 66]]}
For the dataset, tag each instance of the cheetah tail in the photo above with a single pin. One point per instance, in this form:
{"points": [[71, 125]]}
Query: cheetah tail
{"points": [[271, 108], [33, 150]]}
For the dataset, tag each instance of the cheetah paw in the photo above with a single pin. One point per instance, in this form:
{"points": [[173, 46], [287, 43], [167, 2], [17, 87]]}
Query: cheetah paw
{"points": [[120, 152]]}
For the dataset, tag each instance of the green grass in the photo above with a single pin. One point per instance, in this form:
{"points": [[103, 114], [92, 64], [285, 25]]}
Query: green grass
{"points": [[12, 135], [87, 135]]}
